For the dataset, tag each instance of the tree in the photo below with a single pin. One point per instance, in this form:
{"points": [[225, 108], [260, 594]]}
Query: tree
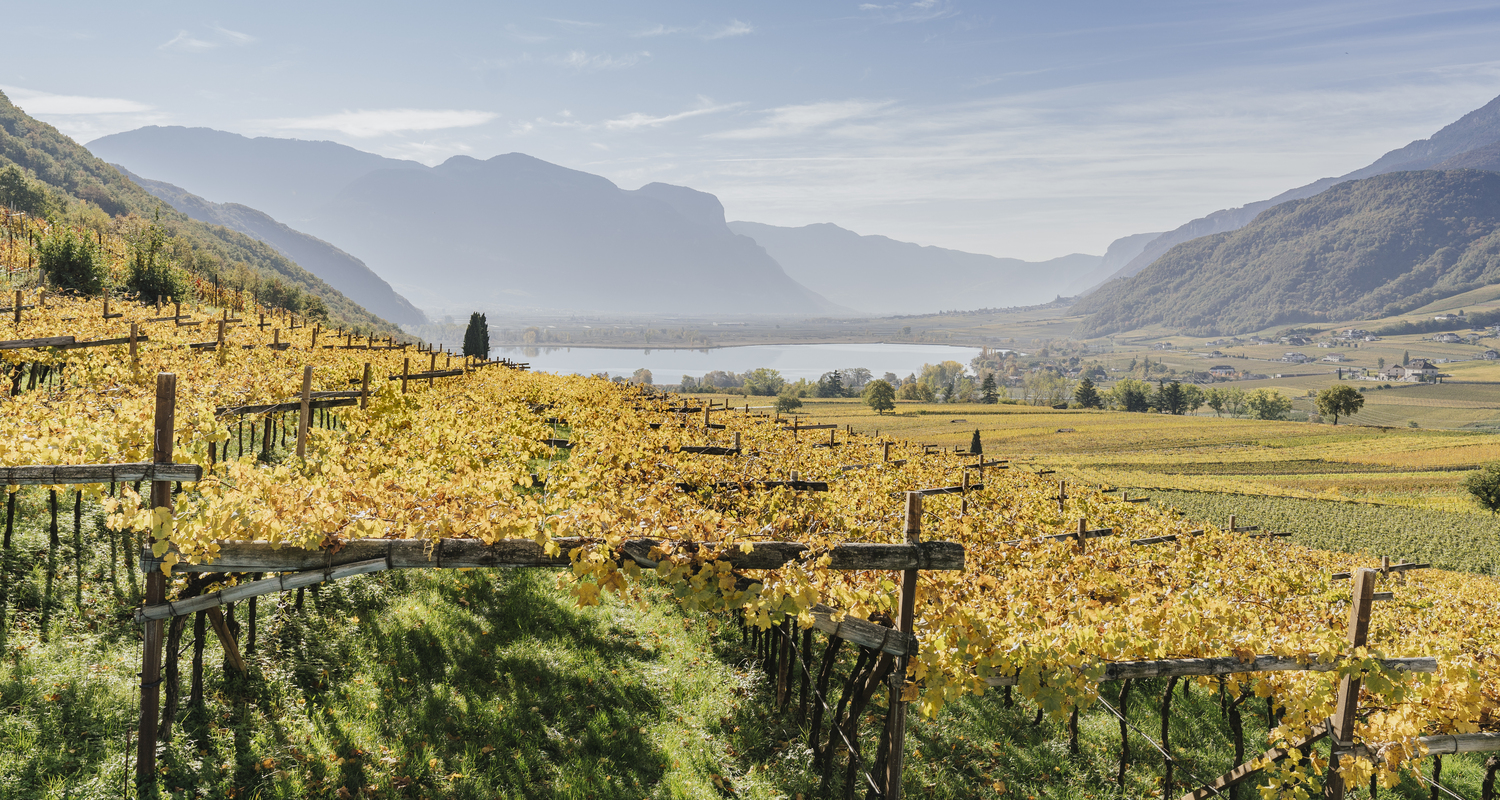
{"points": [[1086, 396], [71, 261], [976, 447], [1214, 398], [1234, 401], [916, 390], [1268, 404], [786, 402], [153, 276], [1169, 398], [1484, 484], [1130, 394], [20, 193], [831, 385], [641, 377], [880, 396], [987, 388], [764, 382], [1380, 362], [1340, 401], [1405, 357], [1193, 398], [477, 336]]}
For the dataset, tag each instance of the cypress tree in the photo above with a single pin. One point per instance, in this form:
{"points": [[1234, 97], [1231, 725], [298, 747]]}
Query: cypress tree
{"points": [[988, 388], [477, 336], [976, 447], [1086, 396]]}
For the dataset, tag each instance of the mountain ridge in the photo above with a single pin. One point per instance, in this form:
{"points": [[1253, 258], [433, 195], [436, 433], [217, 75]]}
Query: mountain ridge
{"points": [[875, 273], [345, 272], [1378, 244]]}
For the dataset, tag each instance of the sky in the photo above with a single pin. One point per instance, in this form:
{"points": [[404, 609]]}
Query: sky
{"points": [[1027, 130]]}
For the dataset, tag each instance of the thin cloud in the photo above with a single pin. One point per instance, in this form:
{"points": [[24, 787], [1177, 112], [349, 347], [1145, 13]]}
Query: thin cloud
{"points": [[581, 60], [46, 103], [573, 23], [186, 42], [793, 120], [637, 120], [381, 122], [702, 30], [522, 35], [734, 28], [235, 36], [920, 11]]}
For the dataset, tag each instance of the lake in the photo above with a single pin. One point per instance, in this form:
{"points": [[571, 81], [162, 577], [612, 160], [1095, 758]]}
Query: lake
{"points": [[793, 361]]}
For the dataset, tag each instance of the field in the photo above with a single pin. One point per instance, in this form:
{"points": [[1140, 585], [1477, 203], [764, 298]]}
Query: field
{"points": [[490, 683]]}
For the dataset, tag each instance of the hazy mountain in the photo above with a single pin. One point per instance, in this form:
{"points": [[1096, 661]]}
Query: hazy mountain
{"points": [[1477, 129], [1380, 245], [879, 275], [512, 231], [345, 272], [1121, 251], [76, 175], [290, 179]]}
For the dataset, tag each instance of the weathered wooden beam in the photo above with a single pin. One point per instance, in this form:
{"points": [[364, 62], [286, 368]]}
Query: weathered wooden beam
{"points": [[1213, 788], [1209, 667], [730, 486], [943, 490], [1461, 743], [1066, 537], [441, 373], [45, 341], [244, 591], [226, 638], [704, 450], [824, 427], [1391, 568], [260, 556], [49, 475], [140, 337], [350, 399]]}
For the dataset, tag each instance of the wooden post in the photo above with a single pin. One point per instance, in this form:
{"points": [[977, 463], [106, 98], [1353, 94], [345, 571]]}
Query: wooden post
{"points": [[106, 305], [736, 441], [315, 337], [305, 418], [906, 613], [1231, 523], [1083, 526], [794, 428], [364, 388], [156, 586], [135, 361], [963, 503], [17, 307], [226, 638], [1062, 494], [177, 313], [432, 368], [885, 451], [405, 370], [276, 338], [1342, 730]]}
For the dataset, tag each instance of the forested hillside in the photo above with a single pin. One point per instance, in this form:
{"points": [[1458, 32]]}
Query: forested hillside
{"points": [[1380, 245], [344, 271], [58, 175]]}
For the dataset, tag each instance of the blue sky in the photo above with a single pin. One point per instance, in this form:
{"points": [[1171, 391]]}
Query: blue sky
{"points": [[1016, 129]]}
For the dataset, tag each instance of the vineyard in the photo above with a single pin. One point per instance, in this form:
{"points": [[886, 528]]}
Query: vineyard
{"points": [[932, 578]]}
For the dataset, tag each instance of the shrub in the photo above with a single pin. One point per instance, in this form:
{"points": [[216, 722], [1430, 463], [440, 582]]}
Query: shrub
{"points": [[71, 261]]}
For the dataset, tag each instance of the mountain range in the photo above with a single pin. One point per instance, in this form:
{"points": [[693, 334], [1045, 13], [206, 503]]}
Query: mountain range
{"points": [[75, 178], [1362, 248], [880, 275], [1414, 226], [1469, 143], [345, 272], [514, 232]]}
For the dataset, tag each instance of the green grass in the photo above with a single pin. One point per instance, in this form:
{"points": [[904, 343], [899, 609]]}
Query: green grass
{"points": [[1469, 542], [492, 684]]}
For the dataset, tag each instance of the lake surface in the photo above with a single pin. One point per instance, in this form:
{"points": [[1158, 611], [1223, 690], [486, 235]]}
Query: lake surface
{"points": [[793, 361]]}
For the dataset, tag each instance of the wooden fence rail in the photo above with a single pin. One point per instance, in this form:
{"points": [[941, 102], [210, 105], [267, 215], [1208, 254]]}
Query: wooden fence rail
{"points": [[98, 473], [1211, 667]]}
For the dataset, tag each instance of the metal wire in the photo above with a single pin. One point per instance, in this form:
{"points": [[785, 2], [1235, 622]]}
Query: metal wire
{"points": [[1159, 749], [1434, 784]]}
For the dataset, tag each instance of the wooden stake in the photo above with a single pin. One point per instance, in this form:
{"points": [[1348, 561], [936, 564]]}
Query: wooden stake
{"points": [[135, 361], [432, 368], [1083, 527], [305, 418], [364, 388], [17, 307], [226, 638], [405, 370], [906, 614], [1342, 729], [156, 586], [885, 451]]}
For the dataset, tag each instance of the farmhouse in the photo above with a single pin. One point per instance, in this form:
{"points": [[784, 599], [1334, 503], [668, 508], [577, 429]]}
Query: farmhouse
{"points": [[1335, 358], [1295, 358], [1448, 338], [1418, 369], [1221, 371], [1489, 355]]}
